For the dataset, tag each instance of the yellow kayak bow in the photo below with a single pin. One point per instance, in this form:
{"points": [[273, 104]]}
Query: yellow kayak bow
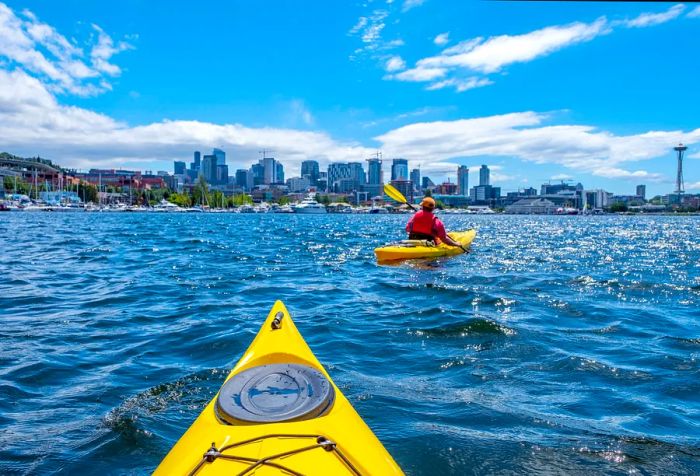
{"points": [[278, 412]]}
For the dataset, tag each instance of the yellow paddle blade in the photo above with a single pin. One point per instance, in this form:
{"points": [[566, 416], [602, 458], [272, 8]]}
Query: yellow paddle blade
{"points": [[391, 191]]}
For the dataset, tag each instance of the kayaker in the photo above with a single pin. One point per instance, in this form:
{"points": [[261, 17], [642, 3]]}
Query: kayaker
{"points": [[423, 225]]}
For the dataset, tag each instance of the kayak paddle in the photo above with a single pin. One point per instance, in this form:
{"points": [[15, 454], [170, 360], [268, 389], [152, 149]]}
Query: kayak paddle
{"points": [[394, 194]]}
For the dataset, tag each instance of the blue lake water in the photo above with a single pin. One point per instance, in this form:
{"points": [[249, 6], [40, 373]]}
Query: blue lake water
{"points": [[559, 345]]}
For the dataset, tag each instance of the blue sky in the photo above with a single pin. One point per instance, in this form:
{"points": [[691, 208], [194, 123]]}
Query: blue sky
{"points": [[592, 92]]}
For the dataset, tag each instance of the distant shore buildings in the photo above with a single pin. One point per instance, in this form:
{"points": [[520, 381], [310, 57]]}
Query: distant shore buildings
{"points": [[357, 182]]}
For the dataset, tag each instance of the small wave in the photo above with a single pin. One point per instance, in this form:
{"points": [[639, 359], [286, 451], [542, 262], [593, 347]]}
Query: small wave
{"points": [[191, 393], [474, 326]]}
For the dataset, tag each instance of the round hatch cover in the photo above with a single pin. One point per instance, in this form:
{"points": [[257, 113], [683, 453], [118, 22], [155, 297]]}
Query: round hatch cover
{"points": [[275, 393]]}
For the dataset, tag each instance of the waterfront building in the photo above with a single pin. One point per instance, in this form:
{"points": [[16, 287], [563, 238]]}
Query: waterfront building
{"points": [[595, 199], [463, 180], [452, 200], [485, 194], [415, 178], [399, 169], [298, 184], [484, 175], [310, 169], [179, 167], [530, 206], [447, 188], [346, 177], [556, 188], [642, 191]]}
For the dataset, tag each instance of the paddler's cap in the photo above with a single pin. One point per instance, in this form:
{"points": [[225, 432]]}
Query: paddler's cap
{"points": [[427, 202]]}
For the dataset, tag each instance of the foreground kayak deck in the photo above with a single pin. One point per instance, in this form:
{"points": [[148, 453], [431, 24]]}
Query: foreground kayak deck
{"points": [[335, 443], [400, 252]]}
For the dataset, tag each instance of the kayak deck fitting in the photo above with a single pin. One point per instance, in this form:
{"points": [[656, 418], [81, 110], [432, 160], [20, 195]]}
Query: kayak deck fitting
{"points": [[278, 412], [413, 249]]}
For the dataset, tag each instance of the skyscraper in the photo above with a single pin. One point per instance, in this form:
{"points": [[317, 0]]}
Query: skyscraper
{"points": [[415, 178], [197, 164], [209, 168], [220, 156], [222, 174], [242, 178], [310, 169], [484, 174], [375, 180], [399, 169], [279, 172], [345, 177], [179, 167], [463, 180], [258, 173], [642, 191], [270, 170]]}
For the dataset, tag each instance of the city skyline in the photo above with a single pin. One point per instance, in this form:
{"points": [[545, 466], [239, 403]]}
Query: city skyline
{"points": [[96, 87]]}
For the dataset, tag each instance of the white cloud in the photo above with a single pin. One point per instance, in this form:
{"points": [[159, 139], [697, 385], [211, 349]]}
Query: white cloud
{"points": [[694, 13], [561, 177], [442, 39], [369, 29], [409, 4], [491, 55], [651, 19], [692, 186], [30, 116], [38, 48], [395, 63], [525, 136], [461, 85], [420, 75]]}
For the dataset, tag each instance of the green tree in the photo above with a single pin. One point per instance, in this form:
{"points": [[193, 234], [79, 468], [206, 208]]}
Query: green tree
{"points": [[180, 199], [618, 207]]}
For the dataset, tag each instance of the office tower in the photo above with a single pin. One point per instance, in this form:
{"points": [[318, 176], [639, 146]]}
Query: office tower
{"points": [[463, 180], [242, 178], [484, 174], [222, 174], [220, 156], [258, 172], [427, 183], [279, 172], [399, 169], [270, 165], [209, 168], [179, 167], [310, 169], [415, 178], [357, 174], [642, 191], [375, 179], [197, 164]]}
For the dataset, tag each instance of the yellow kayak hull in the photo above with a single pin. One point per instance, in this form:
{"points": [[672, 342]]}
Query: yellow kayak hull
{"points": [[394, 252], [337, 442]]}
